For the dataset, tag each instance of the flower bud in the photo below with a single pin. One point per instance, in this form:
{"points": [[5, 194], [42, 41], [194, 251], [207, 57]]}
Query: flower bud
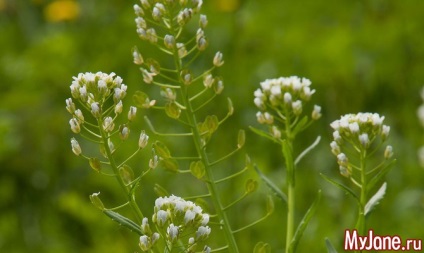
{"points": [[364, 140], [95, 109], [145, 4], [70, 106], [354, 127], [145, 228], [147, 76], [217, 60], [144, 243], [202, 43], [184, 16], [79, 116], [269, 119], [316, 113], [151, 35], [132, 113], [138, 58], [108, 124], [202, 233], [153, 162], [208, 80], [297, 107], [169, 41], [161, 217], [124, 132], [75, 147], [203, 22], [140, 22], [186, 77], [143, 140], [172, 232], [385, 132], [276, 133], [118, 107], [138, 10], [75, 127], [83, 94], [287, 98], [219, 86], [182, 51], [335, 148], [344, 171], [142, 34], [156, 13], [388, 152]]}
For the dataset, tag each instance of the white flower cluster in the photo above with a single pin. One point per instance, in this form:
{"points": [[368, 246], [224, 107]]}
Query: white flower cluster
{"points": [[361, 130], [178, 219], [286, 96], [92, 90]]}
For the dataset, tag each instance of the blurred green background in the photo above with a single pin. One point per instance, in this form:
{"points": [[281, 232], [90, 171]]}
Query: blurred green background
{"points": [[361, 55]]}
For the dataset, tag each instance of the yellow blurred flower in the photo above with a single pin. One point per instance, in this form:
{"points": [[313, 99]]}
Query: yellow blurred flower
{"points": [[61, 10], [227, 5]]}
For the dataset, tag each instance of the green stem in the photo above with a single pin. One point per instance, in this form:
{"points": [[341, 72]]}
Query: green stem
{"points": [[290, 174], [363, 198], [115, 169], [197, 139]]}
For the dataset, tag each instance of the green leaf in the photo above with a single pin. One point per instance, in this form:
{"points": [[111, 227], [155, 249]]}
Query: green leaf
{"points": [[342, 187], [126, 174], [271, 185], [300, 126], [241, 138], [124, 221], [262, 247], [251, 186], [141, 99], [172, 110], [304, 223], [160, 191], [330, 248], [170, 164], [197, 169], [161, 150], [374, 200], [95, 164], [307, 150]]}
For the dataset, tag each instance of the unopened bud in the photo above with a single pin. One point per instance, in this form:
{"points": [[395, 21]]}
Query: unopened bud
{"points": [[138, 10], [75, 126], [118, 107], [108, 124], [169, 41], [151, 35], [143, 140], [203, 22], [79, 116], [182, 51], [388, 152], [297, 107], [217, 60], [202, 43], [147, 76], [316, 113], [208, 80], [145, 4], [124, 132], [70, 106], [95, 109], [132, 113], [138, 58], [75, 147], [219, 86]]}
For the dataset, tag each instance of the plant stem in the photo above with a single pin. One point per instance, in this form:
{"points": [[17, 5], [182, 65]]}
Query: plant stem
{"points": [[197, 139], [363, 198], [290, 174], [115, 169]]}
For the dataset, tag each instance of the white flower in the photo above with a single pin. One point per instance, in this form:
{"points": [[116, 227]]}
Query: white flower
{"points": [[385, 132], [217, 60], [335, 148], [287, 98], [162, 217], [364, 140], [276, 90], [259, 103], [297, 107], [316, 113], [75, 126], [144, 243], [143, 140], [269, 119], [70, 106], [202, 232], [108, 124], [172, 232], [132, 113], [189, 216], [75, 147], [354, 127], [205, 219], [388, 152], [118, 107]]}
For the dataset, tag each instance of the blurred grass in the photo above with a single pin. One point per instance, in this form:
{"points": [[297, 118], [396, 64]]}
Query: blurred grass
{"points": [[360, 55]]}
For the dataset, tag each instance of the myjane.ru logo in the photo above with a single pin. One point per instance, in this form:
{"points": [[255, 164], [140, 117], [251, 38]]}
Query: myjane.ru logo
{"points": [[372, 242]]}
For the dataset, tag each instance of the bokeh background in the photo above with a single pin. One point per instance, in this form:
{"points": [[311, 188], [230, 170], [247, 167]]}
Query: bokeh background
{"points": [[361, 55]]}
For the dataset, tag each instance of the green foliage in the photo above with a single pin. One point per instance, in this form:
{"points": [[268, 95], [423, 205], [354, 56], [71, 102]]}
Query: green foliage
{"points": [[360, 56]]}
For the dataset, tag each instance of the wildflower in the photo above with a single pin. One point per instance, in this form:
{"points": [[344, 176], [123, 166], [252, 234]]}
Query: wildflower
{"points": [[75, 147], [108, 124], [182, 51], [388, 152], [151, 35], [385, 132], [162, 217], [203, 21], [219, 86], [141, 23], [143, 140], [138, 58], [189, 216], [147, 76], [208, 80], [217, 60], [172, 232], [138, 10], [202, 43], [118, 107], [184, 16], [364, 140], [202, 232], [169, 41], [79, 116], [145, 4], [124, 132], [297, 107], [316, 113], [70, 106], [75, 126], [132, 113], [145, 243], [95, 110]]}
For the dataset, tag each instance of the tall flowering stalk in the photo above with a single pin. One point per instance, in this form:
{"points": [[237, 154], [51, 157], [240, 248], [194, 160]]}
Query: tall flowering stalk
{"points": [[358, 143], [281, 105], [186, 92]]}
